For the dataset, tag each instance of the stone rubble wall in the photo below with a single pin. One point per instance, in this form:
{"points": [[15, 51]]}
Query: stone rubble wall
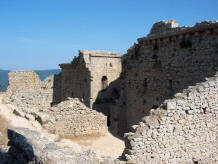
{"points": [[70, 117], [27, 91], [23, 79], [73, 118], [181, 130]]}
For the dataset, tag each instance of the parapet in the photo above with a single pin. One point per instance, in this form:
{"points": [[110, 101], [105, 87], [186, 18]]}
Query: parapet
{"points": [[164, 29], [99, 53], [86, 55]]}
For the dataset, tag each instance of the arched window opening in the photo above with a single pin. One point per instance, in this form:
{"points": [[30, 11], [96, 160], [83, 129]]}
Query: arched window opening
{"points": [[104, 82]]}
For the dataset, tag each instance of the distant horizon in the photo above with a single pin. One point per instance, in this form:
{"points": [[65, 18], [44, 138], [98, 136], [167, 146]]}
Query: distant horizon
{"points": [[39, 35], [29, 69]]}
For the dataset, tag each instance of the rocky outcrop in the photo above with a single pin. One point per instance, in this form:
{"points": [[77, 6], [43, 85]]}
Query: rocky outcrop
{"points": [[181, 130], [27, 146]]}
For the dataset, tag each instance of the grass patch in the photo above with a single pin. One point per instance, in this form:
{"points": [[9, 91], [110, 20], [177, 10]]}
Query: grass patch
{"points": [[4, 124]]}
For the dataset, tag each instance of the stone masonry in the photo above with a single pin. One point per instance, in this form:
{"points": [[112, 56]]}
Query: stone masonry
{"points": [[156, 92], [181, 130], [23, 79], [163, 64], [25, 88], [73, 118], [68, 118], [89, 73]]}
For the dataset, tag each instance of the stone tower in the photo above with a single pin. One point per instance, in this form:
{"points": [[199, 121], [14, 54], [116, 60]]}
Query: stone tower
{"points": [[89, 73]]}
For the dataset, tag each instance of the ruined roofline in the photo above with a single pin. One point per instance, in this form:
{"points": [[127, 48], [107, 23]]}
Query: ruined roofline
{"points": [[100, 53], [85, 55], [173, 31]]}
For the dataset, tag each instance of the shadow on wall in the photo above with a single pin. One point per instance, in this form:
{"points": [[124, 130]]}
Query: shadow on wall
{"points": [[152, 75], [152, 71], [113, 101], [56, 89], [129, 98]]}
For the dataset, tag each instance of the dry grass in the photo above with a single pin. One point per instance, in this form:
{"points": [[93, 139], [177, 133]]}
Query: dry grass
{"points": [[4, 124]]}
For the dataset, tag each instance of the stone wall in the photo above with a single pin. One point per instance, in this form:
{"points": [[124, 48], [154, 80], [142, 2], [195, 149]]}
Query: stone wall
{"points": [[88, 74], [26, 90], [162, 64], [23, 79], [70, 117], [181, 130], [73, 118]]}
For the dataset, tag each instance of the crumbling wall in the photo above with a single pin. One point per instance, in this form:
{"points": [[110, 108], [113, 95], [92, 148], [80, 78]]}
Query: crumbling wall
{"points": [[181, 130], [165, 63], [27, 91], [75, 81], [23, 79], [69, 117], [88, 74], [73, 118]]}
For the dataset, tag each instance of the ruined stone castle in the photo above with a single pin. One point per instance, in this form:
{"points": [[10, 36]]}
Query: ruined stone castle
{"points": [[162, 96], [89, 73]]}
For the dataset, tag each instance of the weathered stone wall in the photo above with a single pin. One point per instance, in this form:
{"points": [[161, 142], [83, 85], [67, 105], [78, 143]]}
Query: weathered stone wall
{"points": [[88, 74], [23, 79], [162, 64], [73, 118], [181, 130], [26, 90], [69, 117], [75, 81]]}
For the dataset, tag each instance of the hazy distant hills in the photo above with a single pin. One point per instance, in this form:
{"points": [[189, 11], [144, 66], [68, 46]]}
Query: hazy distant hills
{"points": [[42, 75]]}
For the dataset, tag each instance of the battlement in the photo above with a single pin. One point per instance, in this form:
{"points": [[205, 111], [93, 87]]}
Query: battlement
{"points": [[99, 53], [85, 57], [168, 29]]}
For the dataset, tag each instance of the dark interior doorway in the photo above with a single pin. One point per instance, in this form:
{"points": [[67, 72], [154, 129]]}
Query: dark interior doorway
{"points": [[104, 82]]}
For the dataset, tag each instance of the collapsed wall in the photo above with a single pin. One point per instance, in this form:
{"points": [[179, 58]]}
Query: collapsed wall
{"points": [[68, 118], [181, 130], [23, 79], [168, 60], [73, 118], [27, 90]]}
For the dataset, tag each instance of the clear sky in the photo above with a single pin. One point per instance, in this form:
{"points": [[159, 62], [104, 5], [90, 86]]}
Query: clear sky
{"points": [[40, 34]]}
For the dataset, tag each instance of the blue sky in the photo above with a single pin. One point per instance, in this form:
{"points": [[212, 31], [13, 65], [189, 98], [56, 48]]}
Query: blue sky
{"points": [[40, 34]]}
